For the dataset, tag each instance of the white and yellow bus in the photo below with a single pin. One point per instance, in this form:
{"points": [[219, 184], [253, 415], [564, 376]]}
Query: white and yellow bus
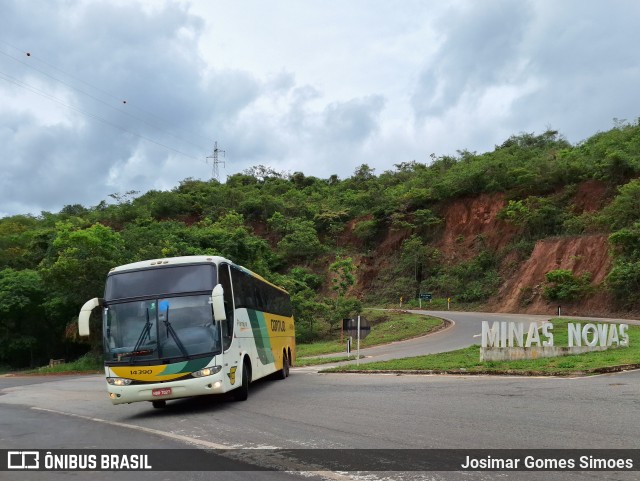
{"points": [[189, 326]]}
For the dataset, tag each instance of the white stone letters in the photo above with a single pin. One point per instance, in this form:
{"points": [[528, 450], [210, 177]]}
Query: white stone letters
{"points": [[511, 334], [604, 335]]}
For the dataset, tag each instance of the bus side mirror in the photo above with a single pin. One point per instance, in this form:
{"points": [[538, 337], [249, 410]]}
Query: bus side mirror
{"points": [[85, 314], [217, 301]]}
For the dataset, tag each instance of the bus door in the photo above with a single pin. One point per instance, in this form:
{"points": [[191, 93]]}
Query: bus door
{"points": [[231, 366]]}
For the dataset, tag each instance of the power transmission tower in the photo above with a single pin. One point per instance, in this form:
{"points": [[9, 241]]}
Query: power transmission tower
{"points": [[215, 174]]}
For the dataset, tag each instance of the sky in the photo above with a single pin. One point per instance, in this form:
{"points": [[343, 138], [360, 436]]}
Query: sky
{"points": [[101, 97]]}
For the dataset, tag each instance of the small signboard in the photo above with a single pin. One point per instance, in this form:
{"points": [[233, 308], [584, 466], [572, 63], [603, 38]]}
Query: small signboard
{"points": [[350, 326], [426, 296]]}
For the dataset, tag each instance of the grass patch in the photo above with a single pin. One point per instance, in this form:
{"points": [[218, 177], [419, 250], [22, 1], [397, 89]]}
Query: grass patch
{"points": [[314, 361], [467, 360], [88, 363], [386, 326]]}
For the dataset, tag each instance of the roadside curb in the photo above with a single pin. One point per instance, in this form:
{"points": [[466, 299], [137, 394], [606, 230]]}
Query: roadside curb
{"points": [[508, 372], [49, 374]]}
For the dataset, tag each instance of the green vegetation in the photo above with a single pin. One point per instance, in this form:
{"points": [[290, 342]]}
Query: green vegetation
{"points": [[624, 278], [89, 363], [563, 285], [320, 347], [376, 234], [386, 326], [315, 361], [467, 361]]}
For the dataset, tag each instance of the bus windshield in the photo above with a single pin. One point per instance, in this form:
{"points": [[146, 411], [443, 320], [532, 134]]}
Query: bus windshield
{"points": [[160, 281], [159, 329]]}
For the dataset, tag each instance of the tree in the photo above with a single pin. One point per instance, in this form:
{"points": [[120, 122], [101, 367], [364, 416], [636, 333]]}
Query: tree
{"points": [[301, 243], [310, 311], [625, 208], [417, 258], [16, 238], [563, 285], [263, 173], [624, 282], [342, 279], [23, 330], [81, 259], [624, 278], [229, 237], [75, 271]]}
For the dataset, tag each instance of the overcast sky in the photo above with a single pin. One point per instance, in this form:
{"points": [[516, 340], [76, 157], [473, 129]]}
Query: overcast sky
{"points": [[102, 96]]}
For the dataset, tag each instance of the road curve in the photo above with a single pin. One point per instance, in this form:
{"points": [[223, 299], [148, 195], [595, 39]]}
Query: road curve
{"points": [[464, 331], [328, 411]]}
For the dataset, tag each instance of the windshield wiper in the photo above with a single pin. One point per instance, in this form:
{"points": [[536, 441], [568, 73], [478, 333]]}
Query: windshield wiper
{"points": [[171, 331], [146, 331]]}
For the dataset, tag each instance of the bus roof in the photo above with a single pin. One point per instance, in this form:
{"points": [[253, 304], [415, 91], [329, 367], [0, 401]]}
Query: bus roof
{"points": [[169, 261], [134, 266]]}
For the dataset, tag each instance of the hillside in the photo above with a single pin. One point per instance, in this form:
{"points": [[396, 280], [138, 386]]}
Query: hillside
{"points": [[531, 225]]}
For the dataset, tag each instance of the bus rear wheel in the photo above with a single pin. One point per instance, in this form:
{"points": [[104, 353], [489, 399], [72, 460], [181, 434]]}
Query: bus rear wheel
{"points": [[159, 404], [284, 372]]}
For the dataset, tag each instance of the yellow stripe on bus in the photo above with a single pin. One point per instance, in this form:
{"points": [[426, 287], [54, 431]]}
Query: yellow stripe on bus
{"points": [[146, 373]]}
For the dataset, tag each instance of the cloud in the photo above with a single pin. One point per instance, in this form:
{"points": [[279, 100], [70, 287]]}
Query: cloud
{"points": [[480, 49], [352, 121], [133, 104], [579, 52], [314, 88]]}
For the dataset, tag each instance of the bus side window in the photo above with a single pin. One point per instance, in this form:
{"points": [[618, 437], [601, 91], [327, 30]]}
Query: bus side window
{"points": [[227, 325]]}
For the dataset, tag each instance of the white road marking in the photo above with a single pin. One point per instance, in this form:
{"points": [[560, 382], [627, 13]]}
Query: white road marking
{"points": [[281, 463]]}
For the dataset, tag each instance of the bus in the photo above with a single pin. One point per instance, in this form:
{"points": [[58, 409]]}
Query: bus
{"points": [[189, 326]]}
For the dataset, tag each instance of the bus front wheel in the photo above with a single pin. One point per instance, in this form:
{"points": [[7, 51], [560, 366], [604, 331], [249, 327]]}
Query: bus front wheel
{"points": [[242, 393], [159, 404]]}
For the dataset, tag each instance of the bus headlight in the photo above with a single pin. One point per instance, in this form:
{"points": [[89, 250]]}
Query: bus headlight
{"points": [[119, 381], [207, 371]]}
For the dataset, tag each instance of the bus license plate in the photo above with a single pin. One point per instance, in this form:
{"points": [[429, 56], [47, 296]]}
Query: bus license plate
{"points": [[165, 391]]}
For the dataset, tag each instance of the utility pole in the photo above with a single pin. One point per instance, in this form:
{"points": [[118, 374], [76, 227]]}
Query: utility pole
{"points": [[215, 174]]}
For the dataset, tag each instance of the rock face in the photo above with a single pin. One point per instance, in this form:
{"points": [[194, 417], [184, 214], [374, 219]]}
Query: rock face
{"points": [[522, 290], [472, 225]]}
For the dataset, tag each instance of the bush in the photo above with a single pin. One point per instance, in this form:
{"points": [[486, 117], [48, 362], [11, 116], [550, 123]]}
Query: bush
{"points": [[624, 282], [563, 285]]}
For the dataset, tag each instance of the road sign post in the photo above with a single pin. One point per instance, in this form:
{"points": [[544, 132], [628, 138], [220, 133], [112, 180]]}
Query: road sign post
{"points": [[358, 353], [356, 327], [427, 296]]}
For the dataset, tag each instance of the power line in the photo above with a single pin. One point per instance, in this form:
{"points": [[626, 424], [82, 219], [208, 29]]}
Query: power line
{"points": [[37, 91], [42, 93], [107, 104], [105, 92]]}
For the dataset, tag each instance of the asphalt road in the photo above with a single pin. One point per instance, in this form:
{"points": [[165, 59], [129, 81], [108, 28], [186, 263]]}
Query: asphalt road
{"points": [[339, 411], [464, 330]]}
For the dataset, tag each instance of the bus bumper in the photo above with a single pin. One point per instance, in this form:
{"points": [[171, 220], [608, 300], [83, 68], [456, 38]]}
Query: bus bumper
{"points": [[166, 390]]}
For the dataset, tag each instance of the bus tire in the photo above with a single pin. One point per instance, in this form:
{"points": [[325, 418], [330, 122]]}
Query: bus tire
{"points": [[284, 372], [159, 404], [242, 393]]}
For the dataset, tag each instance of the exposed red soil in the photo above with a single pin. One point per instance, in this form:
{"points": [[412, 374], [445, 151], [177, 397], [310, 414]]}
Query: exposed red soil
{"points": [[385, 253], [472, 224], [591, 196], [522, 291]]}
